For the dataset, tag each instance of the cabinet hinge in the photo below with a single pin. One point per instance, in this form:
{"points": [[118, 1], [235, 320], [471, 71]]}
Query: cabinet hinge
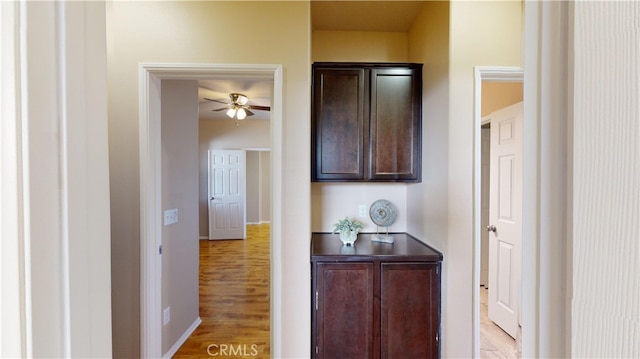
{"points": [[160, 249], [316, 304]]}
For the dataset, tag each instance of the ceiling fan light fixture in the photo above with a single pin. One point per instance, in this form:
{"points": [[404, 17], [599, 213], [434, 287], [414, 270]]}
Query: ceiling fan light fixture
{"points": [[241, 114], [239, 99], [238, 108], [242, 99], [231, 112]]}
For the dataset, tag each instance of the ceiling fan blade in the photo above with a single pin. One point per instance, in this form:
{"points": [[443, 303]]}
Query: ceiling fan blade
{"points": [[261, 108], [249, 113], [219, 101], [220, 109]]}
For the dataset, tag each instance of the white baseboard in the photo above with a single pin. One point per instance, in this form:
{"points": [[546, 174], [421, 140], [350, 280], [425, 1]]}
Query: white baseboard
{"points": [[261, 222], [182, 339]]}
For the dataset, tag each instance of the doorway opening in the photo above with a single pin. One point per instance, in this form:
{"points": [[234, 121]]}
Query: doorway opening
{"points": [[480, 207], [150, 79], [234, 297]]}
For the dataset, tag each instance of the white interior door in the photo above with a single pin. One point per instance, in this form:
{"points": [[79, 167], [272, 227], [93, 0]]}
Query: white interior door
{"points": [[227, 194], [505, 217], [484, 199]]}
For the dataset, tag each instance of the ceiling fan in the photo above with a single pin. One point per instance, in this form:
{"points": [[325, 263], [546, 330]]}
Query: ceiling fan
{"points": [[238, 106]]}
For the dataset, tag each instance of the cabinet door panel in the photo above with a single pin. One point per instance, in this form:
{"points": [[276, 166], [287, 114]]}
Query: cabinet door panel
{"points": [[409, 310], [344, 310], [395, 124], [339, 124]]}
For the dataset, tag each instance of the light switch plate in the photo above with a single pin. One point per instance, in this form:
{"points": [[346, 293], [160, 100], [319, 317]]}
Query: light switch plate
{"points": [[170, 216]]}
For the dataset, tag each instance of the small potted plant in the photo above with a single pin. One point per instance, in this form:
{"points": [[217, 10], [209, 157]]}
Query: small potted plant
{"points": [[348, 229]]}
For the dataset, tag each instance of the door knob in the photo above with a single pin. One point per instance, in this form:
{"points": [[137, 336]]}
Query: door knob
{"points": [[492, 228], [212, 198]]}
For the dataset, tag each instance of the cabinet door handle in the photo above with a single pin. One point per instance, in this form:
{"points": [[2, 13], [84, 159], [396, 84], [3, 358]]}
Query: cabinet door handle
{"points": [[316, 300]]}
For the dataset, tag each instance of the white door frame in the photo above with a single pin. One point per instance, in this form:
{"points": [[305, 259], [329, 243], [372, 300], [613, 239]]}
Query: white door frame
{"points": [[547, 180], [482, 73], [150, 76]]}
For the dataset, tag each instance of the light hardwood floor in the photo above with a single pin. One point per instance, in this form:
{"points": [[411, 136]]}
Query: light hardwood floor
{"points": [[234, 298], [494, 342]]}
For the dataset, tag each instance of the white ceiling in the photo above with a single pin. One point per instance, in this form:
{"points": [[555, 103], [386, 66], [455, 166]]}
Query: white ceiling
{"points": [[346, 15]]}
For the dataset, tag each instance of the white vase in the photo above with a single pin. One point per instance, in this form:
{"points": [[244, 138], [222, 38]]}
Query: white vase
{"points": [[348, 238]]}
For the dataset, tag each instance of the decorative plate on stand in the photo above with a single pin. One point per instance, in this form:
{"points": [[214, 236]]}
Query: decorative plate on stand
{"points": [[383, 213]]}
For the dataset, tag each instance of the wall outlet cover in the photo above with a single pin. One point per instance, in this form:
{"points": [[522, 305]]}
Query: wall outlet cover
{"points": [[166, 315], [362, 210]]}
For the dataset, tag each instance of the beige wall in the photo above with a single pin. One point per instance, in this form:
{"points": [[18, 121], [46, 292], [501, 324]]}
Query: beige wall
{"points": [[180, 191], [497, 95], [225, 135], [258, 187], [253, 187], [427, 201], [334, 201], [265, 186], [199, 32], [363, 46], [482, 34]]}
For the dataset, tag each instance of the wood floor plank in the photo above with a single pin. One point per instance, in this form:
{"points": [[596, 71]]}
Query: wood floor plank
{"points": [[234, 298]]}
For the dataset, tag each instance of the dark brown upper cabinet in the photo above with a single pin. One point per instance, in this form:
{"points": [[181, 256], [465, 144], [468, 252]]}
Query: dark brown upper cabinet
{"points": [[366, 122]]}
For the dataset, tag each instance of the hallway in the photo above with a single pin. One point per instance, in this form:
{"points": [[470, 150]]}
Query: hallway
{"points": [[234, 298]]}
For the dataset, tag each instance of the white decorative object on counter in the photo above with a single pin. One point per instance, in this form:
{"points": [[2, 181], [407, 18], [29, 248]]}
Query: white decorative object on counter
{"points": [[348, 229]]}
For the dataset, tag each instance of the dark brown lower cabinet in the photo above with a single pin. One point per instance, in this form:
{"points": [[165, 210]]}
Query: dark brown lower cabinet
{"points": [[374, 300], [409, 305], [345, 309]]}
